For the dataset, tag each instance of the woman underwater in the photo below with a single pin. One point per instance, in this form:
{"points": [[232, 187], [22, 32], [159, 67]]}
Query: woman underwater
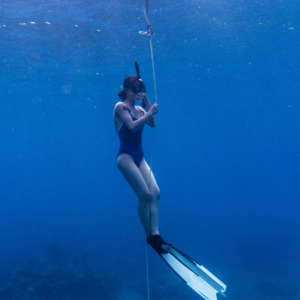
{"points": [[129, 121]]}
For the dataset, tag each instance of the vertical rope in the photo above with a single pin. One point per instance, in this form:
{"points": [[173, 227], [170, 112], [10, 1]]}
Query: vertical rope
{"points": [[147, 268], [153, 70], [151, 160], [149, 33], [153, 136]]}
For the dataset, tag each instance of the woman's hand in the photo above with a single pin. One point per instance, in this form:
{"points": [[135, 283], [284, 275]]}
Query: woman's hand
{"points": [[145, 101], [154, 109]]}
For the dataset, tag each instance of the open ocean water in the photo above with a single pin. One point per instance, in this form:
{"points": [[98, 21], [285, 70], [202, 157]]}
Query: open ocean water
{"points": [[226, 151]]}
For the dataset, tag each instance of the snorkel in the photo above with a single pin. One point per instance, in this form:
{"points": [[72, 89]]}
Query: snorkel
{"points": [[142, 87]]}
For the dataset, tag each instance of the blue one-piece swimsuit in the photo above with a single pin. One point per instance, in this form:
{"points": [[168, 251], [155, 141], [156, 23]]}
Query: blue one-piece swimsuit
{"points": [[131, 141]]}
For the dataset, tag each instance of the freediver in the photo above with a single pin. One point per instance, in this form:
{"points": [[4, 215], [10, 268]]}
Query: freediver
{"points": [[129, 121]]}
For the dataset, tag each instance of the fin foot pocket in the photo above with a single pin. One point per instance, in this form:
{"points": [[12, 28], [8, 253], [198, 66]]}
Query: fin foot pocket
{"points": [[156, 242]]}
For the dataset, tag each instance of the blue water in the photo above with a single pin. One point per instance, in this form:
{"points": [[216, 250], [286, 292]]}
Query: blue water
{"points": [[226, 152]]}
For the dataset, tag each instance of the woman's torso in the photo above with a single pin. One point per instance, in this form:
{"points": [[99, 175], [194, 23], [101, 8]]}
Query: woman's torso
{"points": [[130, 141]]}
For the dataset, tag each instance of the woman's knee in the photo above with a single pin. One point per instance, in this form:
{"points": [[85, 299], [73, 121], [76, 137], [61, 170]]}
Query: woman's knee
{"points": [[156, 193], [145, 197]]}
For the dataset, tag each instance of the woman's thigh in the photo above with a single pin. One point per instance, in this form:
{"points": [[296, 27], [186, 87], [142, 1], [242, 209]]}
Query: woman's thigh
{"points": [[133, 175], [145, 170]]}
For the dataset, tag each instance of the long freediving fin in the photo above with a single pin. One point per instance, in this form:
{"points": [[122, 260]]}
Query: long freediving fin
{"points": [[195, 276]]}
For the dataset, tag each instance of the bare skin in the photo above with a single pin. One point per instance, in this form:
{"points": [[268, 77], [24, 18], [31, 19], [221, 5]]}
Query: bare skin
{"points": [[139, 178]]}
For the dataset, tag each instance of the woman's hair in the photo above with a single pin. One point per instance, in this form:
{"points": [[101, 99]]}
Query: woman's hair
{"points": [[129, 82]]}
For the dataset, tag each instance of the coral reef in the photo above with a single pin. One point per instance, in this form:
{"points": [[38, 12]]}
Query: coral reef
{"points": [[55, 276]]}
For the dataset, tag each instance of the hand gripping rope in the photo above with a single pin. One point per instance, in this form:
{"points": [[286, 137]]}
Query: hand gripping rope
{"points": [[149, 33]]}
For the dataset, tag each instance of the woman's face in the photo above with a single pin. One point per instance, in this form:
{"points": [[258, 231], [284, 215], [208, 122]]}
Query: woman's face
{"points": [[131, 95]]}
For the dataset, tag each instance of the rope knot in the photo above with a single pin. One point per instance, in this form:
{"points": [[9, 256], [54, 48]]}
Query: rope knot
{"points": [[149, 30]]}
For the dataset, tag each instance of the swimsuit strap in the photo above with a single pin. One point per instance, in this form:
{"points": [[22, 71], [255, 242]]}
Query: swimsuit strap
{"points": [[129, 111]]}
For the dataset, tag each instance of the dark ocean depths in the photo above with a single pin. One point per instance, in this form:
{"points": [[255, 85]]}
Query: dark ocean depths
{"points": [[226, 151]]}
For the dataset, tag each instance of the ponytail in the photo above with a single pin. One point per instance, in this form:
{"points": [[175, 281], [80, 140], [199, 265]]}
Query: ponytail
{"points": [[122, 95]]}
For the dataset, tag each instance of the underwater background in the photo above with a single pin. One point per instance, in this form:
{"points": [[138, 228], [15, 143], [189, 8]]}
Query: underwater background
{"points": [[226, 150]]}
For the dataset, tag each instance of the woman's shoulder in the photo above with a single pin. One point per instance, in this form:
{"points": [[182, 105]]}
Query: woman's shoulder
{"points": [[119, 106]]}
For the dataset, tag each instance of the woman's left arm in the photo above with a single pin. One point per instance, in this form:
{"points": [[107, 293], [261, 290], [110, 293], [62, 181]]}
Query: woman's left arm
{"points": [[146, 103]]}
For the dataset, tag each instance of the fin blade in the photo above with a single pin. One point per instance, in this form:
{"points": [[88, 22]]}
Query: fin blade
{"points": [[198, 284], [196, 268]]}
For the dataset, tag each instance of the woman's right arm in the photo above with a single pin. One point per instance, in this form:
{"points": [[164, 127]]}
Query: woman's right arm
{"points": [[137, 124]]}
